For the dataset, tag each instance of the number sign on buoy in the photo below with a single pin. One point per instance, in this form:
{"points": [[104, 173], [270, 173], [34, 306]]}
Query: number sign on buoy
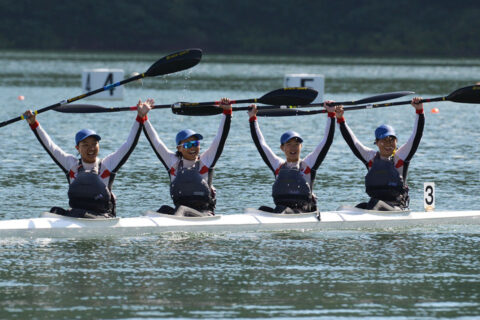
{"points": [[93, 79], [429, 196]]}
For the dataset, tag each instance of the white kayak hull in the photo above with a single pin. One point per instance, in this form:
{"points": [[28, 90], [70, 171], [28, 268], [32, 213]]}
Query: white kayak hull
{"points": [[54, 226]]}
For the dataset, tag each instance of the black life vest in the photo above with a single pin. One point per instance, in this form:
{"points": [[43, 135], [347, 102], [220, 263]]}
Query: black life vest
{"points": [[292, 190], [88, 192], [189, 189], [383, 181]]}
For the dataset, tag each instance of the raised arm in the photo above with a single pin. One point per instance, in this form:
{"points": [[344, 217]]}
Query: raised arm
{"points": [[407, 150], [166, 157], [315, 158], [211, 155], [362, 152], [64, 160], [115, 160], [269, 157]]}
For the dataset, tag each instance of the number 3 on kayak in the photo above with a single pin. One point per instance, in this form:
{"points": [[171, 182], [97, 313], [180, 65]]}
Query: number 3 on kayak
{"points": [[429, 196]]}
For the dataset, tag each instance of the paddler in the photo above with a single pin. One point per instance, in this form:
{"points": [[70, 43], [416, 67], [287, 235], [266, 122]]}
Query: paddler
{"points": [[387, 167], [292, 190], [90, 178], [190, 172]]}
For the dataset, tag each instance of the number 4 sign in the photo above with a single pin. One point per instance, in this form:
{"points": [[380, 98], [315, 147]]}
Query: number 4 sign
{"points": [[429, 196]]}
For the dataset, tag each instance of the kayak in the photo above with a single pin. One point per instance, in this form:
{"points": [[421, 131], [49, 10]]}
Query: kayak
{"points": [[50, 225]]}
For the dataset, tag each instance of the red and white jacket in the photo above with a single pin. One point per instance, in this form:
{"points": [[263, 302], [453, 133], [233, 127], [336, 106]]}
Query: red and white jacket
{"points": [[207, 159], [310, 163], [108, 165], [402, 156]]}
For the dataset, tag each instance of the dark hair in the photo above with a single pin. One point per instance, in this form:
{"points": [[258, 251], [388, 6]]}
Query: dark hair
{"points": [[178, 154]]}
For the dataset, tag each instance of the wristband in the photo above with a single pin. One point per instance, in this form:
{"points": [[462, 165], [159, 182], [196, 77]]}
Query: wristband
{"points": [[34, 125], [142, 120]]}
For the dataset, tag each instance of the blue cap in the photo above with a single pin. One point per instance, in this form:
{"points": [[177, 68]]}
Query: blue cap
{"points": [[85, 133], [384, 131], [289, 135], [185, 134]]}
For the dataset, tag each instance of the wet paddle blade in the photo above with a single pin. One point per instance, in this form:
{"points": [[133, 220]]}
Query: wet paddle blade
{"points": [[470, 94], [289, 96], [81, 108], [175, 62]]}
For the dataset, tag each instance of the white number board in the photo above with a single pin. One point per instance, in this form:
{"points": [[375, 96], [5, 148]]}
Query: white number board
{"points": [[429, 196], [94, 79]]}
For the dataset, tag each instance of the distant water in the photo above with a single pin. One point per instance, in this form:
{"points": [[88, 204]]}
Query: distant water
{"points": [[396, 274]]}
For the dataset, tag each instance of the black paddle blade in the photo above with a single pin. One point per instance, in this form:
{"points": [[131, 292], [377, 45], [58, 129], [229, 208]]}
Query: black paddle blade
{"points": [[197, 110], [175, 62], [81, 108], [289, 96], [381, 97], [286, 112], [470, 94]]}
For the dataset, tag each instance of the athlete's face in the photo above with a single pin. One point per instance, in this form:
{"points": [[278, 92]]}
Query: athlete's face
{"points": [[88, 149], [387, 146], [292, 149], [188, 149]]}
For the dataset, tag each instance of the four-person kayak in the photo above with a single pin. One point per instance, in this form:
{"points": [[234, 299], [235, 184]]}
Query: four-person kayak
{"points": [[50, 225]]}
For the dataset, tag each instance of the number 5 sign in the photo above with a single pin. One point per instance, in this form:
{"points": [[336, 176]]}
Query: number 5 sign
{"points": [[429, 196]]}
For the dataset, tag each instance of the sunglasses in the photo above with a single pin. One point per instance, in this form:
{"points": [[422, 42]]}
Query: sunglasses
{"points": [[188, 145]]}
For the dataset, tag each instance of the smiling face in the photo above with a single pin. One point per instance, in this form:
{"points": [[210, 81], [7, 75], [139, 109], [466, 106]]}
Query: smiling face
{"points": [[387, 146], [88, 149], [292, 149], [189, 153]]}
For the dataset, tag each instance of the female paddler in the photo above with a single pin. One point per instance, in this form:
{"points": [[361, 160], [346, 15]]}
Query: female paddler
{"points": [[292, 190], [190, 172], [90, 178], [385, 181]]}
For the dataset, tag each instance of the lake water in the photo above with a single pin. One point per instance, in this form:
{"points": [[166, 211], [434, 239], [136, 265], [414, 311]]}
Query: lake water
{"points": [[427, 273]]}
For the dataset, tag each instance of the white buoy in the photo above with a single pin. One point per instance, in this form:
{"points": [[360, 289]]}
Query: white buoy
{"points": [[314, 81], [93, 79]]}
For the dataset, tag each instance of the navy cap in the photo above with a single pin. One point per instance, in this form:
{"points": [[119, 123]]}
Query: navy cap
{"points": [[384, 131], [289, 135], [85, 133], [185, 134]]}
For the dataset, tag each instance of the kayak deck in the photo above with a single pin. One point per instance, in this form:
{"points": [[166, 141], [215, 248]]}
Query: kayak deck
{"points": [[51, 225]]}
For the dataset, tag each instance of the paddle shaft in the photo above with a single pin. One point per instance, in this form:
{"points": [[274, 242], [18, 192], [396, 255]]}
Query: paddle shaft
{"points": [[296, 112], [398, 103], [105, 88], [175, 62]]}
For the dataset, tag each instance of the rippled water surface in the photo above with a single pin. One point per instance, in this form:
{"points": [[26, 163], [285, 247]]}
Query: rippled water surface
{"points": [[427, 273]]}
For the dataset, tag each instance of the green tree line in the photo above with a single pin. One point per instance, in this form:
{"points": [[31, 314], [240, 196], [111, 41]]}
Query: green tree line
{"points": [[303, 27]]}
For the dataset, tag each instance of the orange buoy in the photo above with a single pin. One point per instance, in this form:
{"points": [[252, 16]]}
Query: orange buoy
{"points": [[435, 110], [21, 98]]}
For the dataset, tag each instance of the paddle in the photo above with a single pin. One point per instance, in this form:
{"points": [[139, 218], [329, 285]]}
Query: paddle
{"points": [[212, 110], [279, 96], [470, 94], [300, 95], [375, 98], [174, 62]]}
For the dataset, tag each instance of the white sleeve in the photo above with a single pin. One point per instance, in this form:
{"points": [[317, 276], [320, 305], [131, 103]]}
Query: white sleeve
{"points": [[270, 158], [116, 159], [355, 145], [64, 160], [167, 157], [312, 157], [208, 157]]}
